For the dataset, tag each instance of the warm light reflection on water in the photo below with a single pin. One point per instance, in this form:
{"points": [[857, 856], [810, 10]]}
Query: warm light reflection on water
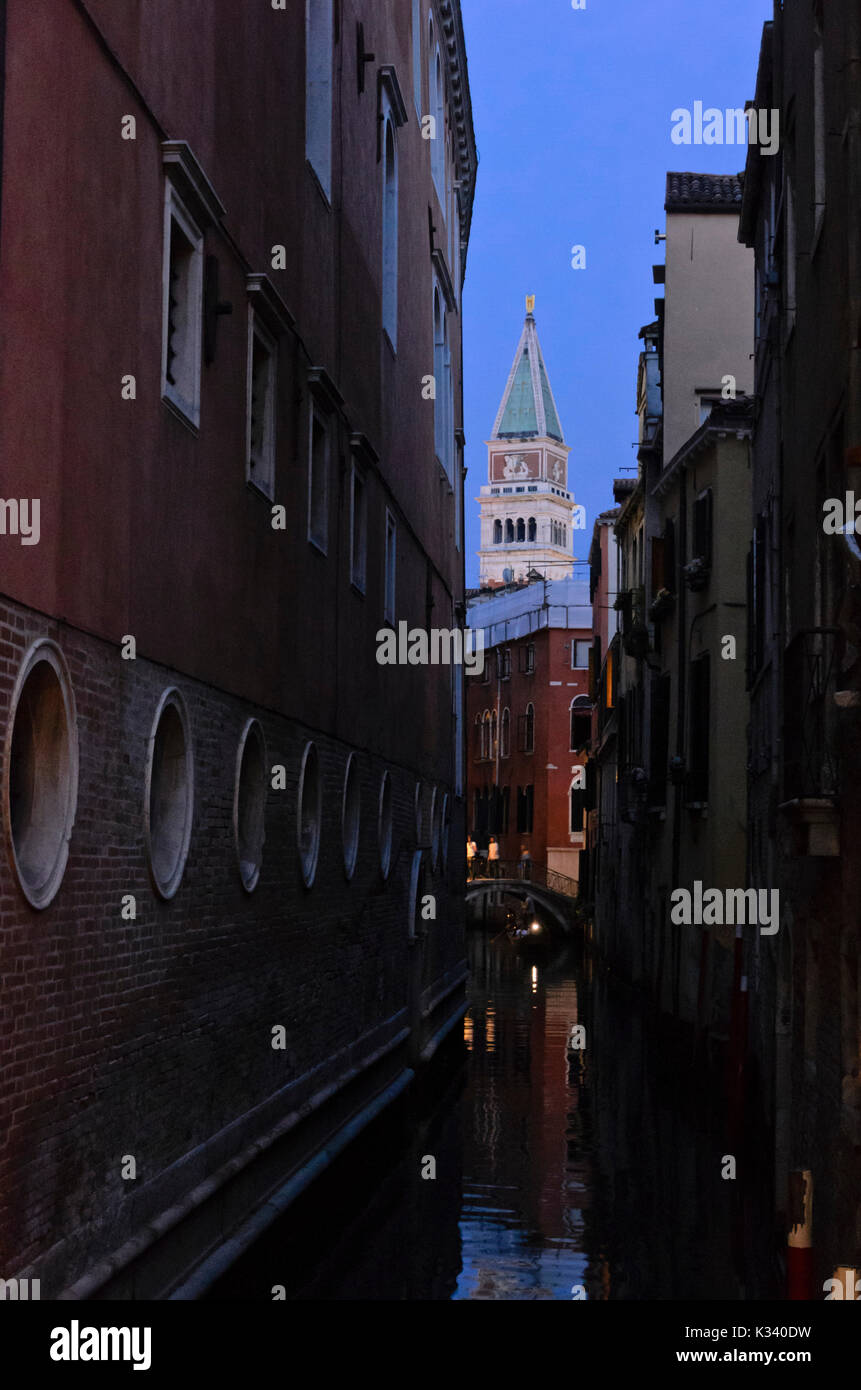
{"points": [[570, 1163]]}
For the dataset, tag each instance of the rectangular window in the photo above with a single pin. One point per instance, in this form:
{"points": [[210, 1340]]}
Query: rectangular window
{"points": [[530, 807], [436, 103], [458, 266], [580, 649], [702, 537], [391, 565], [698, 770], [417, 56], [659, 749], [358, 529], [526, 659], [318, 482], [670, 556], [664, 560], [581, 727], [578, 810], [390, 224], [262, 377], [457, 485], [319, 41], [594, 668], [182, 311], [657, 564]]}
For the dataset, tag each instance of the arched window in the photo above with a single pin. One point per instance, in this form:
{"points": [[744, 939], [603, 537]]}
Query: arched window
{"points": [[437, 110], [521, 529], [319, 50], [439, 374], [530, 530], [581, 722], [493, 732], [485, 734], [505, 734], [444, 399], [497, 533], [509, 531], [529, 730], [390, 232]]}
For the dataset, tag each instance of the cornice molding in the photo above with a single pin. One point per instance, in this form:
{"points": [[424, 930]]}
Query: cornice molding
{"points": [[387, 81], [268, 303], [187, 175]]}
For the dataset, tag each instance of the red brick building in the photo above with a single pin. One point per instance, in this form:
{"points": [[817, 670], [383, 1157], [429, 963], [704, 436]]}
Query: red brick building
{"points": [[529, 718], [529, 713], [221, 476]]}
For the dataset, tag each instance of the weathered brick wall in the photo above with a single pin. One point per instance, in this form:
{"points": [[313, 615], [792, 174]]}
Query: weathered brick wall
{"points": [[149, 1037]]}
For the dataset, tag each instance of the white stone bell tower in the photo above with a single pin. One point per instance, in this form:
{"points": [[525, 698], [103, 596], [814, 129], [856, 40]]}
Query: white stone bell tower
{"points": [[528, 514]]}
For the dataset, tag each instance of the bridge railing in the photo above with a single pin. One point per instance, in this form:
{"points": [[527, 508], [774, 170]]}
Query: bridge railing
{"points": [[528, 871]]}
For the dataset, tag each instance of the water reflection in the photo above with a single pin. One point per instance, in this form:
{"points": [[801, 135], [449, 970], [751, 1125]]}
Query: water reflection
{"points": [[527, 1174], [563, 1171]]}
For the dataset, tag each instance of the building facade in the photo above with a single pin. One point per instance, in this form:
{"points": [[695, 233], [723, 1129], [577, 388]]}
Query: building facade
{"points": [[801, 215], [223, 474], [529, 716], [671, 711], [598, 859]]}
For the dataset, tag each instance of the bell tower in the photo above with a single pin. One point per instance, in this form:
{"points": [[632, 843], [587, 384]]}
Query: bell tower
{"points": [[527, 511]]}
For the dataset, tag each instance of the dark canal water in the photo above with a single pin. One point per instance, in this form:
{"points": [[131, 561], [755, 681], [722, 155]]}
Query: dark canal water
{"points": [[560, 1173]]}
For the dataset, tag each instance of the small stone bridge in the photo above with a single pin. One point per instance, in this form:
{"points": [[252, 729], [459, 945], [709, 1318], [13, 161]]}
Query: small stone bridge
{"points": [[555, 892]]}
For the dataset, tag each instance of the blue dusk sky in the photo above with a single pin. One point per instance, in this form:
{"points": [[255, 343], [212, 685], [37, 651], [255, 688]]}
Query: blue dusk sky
{"points": [[572, 120]]}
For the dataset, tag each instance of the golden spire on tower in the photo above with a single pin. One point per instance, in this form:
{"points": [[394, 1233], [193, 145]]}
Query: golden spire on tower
{"points": [[530, 303]]}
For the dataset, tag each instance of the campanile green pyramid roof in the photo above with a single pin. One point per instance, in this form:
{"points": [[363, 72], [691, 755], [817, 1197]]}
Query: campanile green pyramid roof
{"points": [[528, 409]]}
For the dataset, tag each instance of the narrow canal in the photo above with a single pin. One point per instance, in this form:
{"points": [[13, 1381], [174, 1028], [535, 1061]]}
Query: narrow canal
{"points": [[561, 1173]]}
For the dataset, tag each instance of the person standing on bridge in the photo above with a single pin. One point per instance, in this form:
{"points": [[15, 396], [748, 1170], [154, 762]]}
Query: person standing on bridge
{"points": [[471, 852], [525, 862], [493, 857]]}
